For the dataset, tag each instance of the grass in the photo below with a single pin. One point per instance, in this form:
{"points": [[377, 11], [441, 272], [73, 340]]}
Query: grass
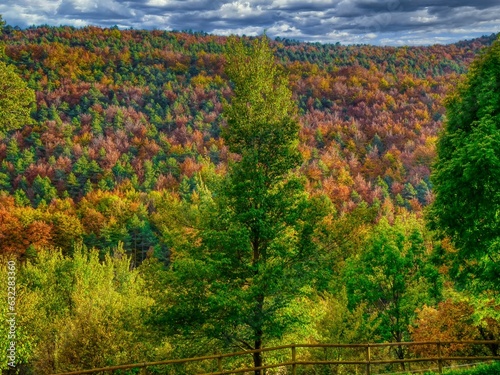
{"points": [[482, 369]]}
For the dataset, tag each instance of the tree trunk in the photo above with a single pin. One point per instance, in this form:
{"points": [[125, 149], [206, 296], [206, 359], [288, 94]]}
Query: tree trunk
{"points": [[259, 306], [400, 353], [257, 357]]}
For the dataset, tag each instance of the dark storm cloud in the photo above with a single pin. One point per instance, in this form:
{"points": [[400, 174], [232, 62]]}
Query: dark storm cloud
{"points": [[175, 6], [347, 21], [412, 6], [100, 12]]}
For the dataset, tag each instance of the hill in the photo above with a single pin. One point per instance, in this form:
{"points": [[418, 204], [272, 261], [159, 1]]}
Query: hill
{"points": [[123, 113], [133, 232]]}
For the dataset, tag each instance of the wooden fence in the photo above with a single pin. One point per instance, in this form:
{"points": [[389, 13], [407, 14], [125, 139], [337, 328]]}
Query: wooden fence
{"points": [[295, 362]]}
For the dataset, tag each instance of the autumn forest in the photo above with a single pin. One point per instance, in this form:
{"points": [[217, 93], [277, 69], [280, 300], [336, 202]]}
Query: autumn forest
{"points": [[171, 194]]}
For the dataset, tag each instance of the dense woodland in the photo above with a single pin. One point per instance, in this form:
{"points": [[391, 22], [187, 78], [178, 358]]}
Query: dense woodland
{"points": [[127, 154]]}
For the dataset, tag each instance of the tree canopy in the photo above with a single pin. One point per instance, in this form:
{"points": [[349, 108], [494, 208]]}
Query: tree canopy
{"points": [[255, 251], [466, 174], [129, 149], [16, 99], [392, 276]]}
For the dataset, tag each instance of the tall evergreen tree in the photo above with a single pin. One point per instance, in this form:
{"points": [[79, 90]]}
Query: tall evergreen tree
{"points": [[254, 255]]}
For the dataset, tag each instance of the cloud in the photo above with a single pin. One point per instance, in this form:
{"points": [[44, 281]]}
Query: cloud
{"points": [[391, 22]]}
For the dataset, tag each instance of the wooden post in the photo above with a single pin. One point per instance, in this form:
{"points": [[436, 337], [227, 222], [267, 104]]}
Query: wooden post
{"points": [[294, 360], [219, 363], [368, 356], [440, 361]]}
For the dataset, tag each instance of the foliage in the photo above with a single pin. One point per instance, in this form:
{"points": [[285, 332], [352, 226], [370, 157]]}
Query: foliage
{"points": [[466, 177], [144, 108], [141, 142], [102, 220], [79, 313], [254, 255], [339, 324], [25, 323], [393, 277], [458, 319], [16, 99]]}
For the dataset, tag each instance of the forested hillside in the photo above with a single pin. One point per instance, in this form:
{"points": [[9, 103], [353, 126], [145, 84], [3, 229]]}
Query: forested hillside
{"points": [[129, 146], [121, 113]]}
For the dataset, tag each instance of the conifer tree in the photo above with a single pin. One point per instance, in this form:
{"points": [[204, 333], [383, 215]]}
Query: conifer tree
{"points": [[255, 255]]}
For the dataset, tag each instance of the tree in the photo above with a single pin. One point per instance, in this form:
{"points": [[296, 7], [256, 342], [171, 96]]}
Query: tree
{"points": [[16, 99], [459, 318], [466, 174], [254, 253], [392, 277], [448, 321], [79, 312], [43, 190]]}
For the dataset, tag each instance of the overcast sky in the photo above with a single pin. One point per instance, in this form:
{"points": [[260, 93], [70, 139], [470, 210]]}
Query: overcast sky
{"points": [[380, 22]]}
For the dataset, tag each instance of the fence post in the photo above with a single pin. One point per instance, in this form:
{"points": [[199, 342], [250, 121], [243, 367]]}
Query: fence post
{"points": [[219, 363], [368, 357], [294, 360], [440, 361]]}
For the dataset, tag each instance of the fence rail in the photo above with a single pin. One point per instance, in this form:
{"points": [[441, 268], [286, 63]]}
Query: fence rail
{"points": [[369, 361]]}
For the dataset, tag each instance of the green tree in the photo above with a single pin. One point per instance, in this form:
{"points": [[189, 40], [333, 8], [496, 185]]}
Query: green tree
{"points": [[16, 99], [392, 277], [73, 185], [43, 190], [79, 312], [466, 175], [5, 182], [255, 254], [13, 152], [26, 330]]}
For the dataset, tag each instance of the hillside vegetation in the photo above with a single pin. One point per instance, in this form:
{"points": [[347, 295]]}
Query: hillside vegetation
{"points": [[134, 112], [151, 216]]}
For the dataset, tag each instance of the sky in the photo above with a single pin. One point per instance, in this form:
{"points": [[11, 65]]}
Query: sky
{"points": [[377, 22]]}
